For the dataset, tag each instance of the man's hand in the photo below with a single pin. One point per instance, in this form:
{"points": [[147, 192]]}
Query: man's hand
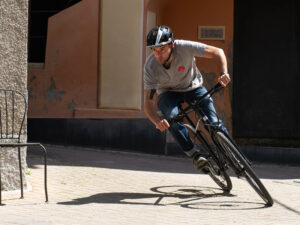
{"points": [[162, 125], [224, 79]]}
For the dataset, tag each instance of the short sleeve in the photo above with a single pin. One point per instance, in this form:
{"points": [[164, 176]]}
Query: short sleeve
{"points": [[149, 79], [195, 48]]}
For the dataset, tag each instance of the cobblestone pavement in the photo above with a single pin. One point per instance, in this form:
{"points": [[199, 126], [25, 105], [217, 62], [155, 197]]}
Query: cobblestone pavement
{"points": [[109, 187]]}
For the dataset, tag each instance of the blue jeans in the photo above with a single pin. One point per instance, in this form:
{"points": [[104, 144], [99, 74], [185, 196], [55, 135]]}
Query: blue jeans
{"points": [[168, 105]]}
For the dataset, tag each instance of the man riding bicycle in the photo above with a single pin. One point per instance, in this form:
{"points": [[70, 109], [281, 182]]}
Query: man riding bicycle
{"points": [[171, 72]]}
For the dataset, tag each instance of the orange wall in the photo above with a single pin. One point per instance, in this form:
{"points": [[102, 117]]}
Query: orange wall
{"points": [[184, 19], [67, 86], [156, 6], [69, 78]]}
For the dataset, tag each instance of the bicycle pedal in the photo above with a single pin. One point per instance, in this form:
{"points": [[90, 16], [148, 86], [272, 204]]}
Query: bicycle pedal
{"points": [[205, 170], [226, 167]]}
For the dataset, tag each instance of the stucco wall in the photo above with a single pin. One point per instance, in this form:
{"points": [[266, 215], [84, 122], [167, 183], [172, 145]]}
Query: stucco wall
{"points": [[13, 73], [69, 77], [67, 86]]}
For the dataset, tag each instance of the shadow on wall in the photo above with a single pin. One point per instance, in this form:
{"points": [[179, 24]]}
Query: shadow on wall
{"points": [[134, 134]]}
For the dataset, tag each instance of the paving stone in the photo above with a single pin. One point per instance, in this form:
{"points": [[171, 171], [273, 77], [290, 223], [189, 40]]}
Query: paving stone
{"points": [[88, 186]]}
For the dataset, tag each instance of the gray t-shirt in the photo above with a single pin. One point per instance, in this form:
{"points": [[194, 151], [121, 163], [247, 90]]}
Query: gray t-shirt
{"points": [[183, 74]]}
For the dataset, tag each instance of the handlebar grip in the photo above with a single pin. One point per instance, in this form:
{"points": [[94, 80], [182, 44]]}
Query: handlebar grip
{"points": [[176, 119], [170, 121], [218, 86]]}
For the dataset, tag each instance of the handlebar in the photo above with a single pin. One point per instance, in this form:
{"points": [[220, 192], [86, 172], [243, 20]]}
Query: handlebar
{"points": [[212, 91], [180, 116]]}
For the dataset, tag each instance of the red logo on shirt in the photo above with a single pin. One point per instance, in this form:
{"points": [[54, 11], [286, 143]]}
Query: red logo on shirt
{"points": [[181, 69]]}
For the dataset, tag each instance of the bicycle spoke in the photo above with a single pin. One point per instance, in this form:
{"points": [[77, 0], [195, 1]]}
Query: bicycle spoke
{"points": [[218, 175]]}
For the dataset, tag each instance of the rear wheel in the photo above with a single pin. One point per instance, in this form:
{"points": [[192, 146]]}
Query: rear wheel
{"points": [[220, 177], [243, 167]]}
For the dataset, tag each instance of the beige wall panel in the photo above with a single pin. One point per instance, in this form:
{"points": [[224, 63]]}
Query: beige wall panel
{"points": [[121, 54], [151, 22]]}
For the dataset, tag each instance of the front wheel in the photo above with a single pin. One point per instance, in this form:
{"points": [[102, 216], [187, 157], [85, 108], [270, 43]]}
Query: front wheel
{"points": [[244, 168]]}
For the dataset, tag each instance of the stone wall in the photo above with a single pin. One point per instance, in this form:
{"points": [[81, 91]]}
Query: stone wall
{"points": [[13, 74]]}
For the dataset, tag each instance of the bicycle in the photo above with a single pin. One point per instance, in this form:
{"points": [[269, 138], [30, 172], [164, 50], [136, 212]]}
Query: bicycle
{"points": [[224, 154]]}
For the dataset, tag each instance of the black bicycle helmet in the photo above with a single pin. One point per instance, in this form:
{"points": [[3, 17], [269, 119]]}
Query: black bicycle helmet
{"points": [[159, 36]]}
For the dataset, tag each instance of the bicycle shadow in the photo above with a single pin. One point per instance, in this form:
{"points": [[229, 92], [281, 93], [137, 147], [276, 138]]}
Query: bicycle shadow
{"points": [[184, 196]]}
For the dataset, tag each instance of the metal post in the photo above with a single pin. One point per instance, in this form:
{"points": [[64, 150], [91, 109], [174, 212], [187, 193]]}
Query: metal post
{"points": [[20, 168], [0, 189]]}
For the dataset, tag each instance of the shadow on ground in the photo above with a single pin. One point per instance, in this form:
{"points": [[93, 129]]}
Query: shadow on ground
{"points": [[191, 197], [76, 156]]}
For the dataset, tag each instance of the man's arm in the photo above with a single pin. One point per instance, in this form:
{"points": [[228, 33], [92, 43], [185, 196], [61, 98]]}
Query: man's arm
{"points": [[218, 53], [151, 111]]}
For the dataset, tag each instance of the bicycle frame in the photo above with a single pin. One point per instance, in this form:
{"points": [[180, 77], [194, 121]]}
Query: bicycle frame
{"points": [[199, 136], [193, 107]]}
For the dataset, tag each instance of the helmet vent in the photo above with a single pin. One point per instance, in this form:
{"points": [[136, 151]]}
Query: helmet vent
{"points": [[159, 34]]}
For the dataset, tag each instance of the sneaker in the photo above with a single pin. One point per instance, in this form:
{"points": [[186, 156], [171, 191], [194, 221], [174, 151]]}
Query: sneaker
{"points": [[199, 161]]}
